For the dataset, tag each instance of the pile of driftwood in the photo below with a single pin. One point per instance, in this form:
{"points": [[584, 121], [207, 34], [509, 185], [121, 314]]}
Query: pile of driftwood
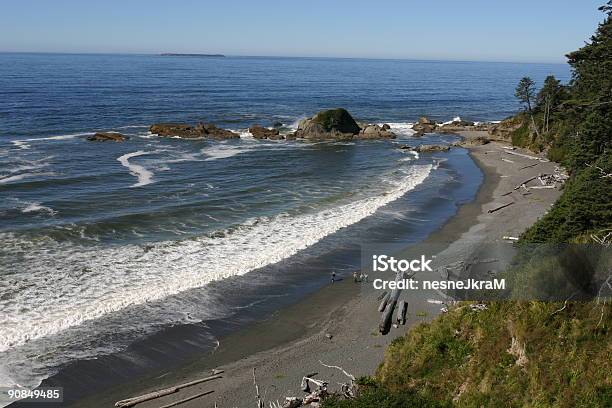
{"points": [[546, 180], [316, 391]]}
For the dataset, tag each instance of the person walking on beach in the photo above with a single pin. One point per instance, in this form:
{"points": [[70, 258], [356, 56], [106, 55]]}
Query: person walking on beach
{"points": [[355, 277], [333, 276]]}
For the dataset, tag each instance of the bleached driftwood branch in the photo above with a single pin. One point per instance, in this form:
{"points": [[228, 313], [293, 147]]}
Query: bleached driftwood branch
{"points": [[351, 376], [260, 403], [541, 159], [602, 171]]}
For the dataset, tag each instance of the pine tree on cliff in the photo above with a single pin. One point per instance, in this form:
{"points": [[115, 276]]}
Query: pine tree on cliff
{"points": [[525, 93], [548, 99], [591, 90]]}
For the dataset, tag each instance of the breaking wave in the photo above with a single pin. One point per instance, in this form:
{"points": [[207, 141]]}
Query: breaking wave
{"points": [[97, 281]]}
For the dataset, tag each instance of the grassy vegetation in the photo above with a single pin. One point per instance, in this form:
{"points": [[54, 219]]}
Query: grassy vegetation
{"points": [[513, 354]]}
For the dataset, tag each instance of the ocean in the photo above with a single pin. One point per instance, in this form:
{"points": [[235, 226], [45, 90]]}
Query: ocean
{"points": [[108, 245]]}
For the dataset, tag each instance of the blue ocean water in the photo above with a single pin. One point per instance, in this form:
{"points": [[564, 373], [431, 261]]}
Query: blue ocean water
{"points": [[104, 244]]}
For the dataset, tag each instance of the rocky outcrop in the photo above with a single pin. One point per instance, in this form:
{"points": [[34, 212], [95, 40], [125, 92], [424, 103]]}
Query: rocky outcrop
{"points": [[201, 130], [472, 141], [462, 126], [260, 132], [107, 137], [454, 126], [423, 125], [338, 124], [427, 148], [503, 130], [375, 132], [332, 124]]}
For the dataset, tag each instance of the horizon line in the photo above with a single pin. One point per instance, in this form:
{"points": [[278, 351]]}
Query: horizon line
{"points": [[284, 56]]}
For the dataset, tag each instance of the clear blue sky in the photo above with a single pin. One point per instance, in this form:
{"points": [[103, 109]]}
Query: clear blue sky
{"points": [[497, 30]]}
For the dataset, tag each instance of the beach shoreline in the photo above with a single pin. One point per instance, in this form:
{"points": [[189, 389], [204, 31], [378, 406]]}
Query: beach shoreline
{"points": [[338, 324]]}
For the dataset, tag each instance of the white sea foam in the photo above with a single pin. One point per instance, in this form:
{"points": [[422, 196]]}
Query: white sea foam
{"points": [[97, 281], [37, 207], [401, 128], [455, 119], [22, 176], [144, 176], [23, 143], [222, 151]]}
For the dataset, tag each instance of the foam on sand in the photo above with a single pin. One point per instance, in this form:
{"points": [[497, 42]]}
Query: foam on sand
{"points": [[144, 176], [96, 281]]}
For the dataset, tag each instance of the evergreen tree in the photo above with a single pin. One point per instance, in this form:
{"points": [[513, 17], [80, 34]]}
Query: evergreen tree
{"points": [[548, 97], [525, 93], [591, 91]]}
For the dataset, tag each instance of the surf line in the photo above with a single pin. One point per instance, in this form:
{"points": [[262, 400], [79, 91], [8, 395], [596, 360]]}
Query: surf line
{"points": [[144, 176]]}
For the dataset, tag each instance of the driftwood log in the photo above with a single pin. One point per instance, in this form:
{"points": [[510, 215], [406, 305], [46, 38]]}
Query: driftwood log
{"points": [[492, 210], [173, 404], [402, 308], [384, 301], [525, 182], [531, 165], [130, 402], [386, 319], [543, 160]]}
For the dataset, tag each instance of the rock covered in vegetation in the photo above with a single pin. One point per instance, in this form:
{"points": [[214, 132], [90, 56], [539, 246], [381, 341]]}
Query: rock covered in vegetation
{"points": [[504, 129], [107, 137], [260, 132], [201, 130], [335, 124], [338, 124], [328, 124]]}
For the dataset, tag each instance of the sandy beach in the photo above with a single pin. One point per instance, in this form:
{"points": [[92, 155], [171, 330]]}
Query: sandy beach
{"points": [[338, 325]]}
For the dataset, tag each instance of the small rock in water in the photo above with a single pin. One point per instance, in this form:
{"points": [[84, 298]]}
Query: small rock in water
{"points": [[431, 148], [107, 137], [260, 132]]}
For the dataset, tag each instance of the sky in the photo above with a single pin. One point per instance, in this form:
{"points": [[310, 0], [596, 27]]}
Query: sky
{"points": [[479, 30]]}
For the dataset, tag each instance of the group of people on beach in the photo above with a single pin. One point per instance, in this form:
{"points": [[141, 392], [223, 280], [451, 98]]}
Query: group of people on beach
{"points": [[357, 277]]}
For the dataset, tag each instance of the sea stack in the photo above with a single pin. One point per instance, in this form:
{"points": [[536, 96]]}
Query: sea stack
{"points": [[338, 124]]}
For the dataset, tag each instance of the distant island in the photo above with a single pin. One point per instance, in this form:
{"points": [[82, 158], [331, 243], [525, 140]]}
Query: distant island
{"points": [[171, 54]]}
